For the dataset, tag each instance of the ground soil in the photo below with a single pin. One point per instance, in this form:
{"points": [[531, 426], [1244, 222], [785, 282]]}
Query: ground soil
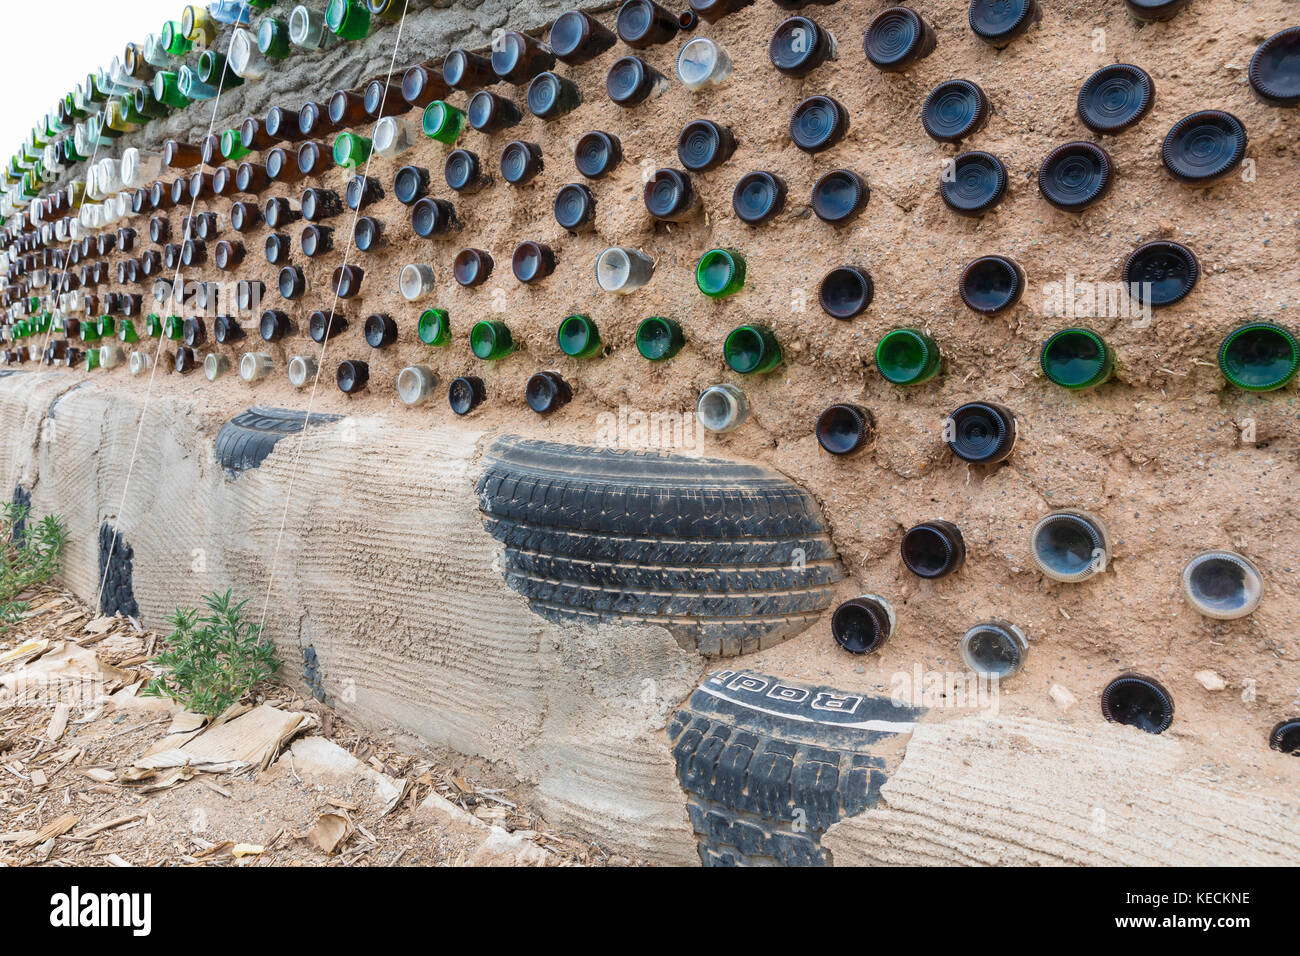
{"points": [[85, 771]]}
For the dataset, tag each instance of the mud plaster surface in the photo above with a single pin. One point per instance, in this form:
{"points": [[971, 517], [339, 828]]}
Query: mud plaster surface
{"points": [[386, 573], [1155, 453], [1022, 791]]}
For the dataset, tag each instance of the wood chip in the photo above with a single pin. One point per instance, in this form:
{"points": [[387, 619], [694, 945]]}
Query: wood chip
{"points": [[25, 650], [56, 827], [100, 625], [212, 785], [58, 723], [329, 832], [217, 849], [110, 825]]}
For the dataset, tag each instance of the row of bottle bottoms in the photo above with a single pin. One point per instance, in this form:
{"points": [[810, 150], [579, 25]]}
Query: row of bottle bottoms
{"points": [[1072, 177], [1255, 356], [1068, 546], [979, 432], [1156, 274], [996, 650], [896, 39]]}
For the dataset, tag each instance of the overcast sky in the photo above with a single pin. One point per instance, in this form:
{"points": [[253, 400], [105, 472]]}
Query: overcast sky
{"points": [[52, 46]]}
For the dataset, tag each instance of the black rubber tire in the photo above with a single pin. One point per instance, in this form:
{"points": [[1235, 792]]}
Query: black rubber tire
{"points": [[117, 593], [768, 765], [707, 548], [22, 502], [64, 394], [245, 441]]}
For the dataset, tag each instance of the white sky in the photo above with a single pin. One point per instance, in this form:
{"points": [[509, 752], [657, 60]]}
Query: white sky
{"points": [[82, 35]]}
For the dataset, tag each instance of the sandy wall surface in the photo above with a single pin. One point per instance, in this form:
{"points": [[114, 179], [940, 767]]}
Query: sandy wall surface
{"points": [[1024, 792], [385, 572], [1157, 452]]}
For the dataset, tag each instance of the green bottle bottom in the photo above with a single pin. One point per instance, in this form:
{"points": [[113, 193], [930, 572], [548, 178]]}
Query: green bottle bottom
{"points": [[491, 340], [578, 337], [232, 145], [659, 339], [907, 357], [720, 273], [435, 327], [1077, 359], [443, 122], [1259, 357], [348, 19], [751, 350], [350, 150]]}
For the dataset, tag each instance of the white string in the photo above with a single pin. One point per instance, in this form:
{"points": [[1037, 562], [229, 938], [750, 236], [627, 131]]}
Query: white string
{"points": [[320, 364], [153, 370]]}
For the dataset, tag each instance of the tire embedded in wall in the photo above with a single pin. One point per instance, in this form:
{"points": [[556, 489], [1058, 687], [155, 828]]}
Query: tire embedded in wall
{"points": [[730, 558], [61, 396], [22, 499], [311, 673], [116, 592], [768, 765], [246, 440]]}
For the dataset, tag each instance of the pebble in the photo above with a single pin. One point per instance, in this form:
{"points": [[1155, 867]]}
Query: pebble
{"points": [[1210, 680], [1063, 698]]}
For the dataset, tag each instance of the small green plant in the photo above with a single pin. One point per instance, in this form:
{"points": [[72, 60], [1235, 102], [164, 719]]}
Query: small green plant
{"points": [[29, 555], [212, 661]]}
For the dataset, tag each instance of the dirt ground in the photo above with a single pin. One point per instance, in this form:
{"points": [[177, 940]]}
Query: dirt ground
{"points": [[1159, 453], [75, 796]]}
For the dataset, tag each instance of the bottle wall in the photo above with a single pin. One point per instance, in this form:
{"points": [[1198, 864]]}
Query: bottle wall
{"points": [[1174, 460]]}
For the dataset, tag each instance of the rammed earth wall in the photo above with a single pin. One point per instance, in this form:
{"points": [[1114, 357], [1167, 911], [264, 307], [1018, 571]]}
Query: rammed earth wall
{"points": [[385, 570]]}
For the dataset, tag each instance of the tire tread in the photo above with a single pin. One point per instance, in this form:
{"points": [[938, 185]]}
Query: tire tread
{"points": [[730, 557]]}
